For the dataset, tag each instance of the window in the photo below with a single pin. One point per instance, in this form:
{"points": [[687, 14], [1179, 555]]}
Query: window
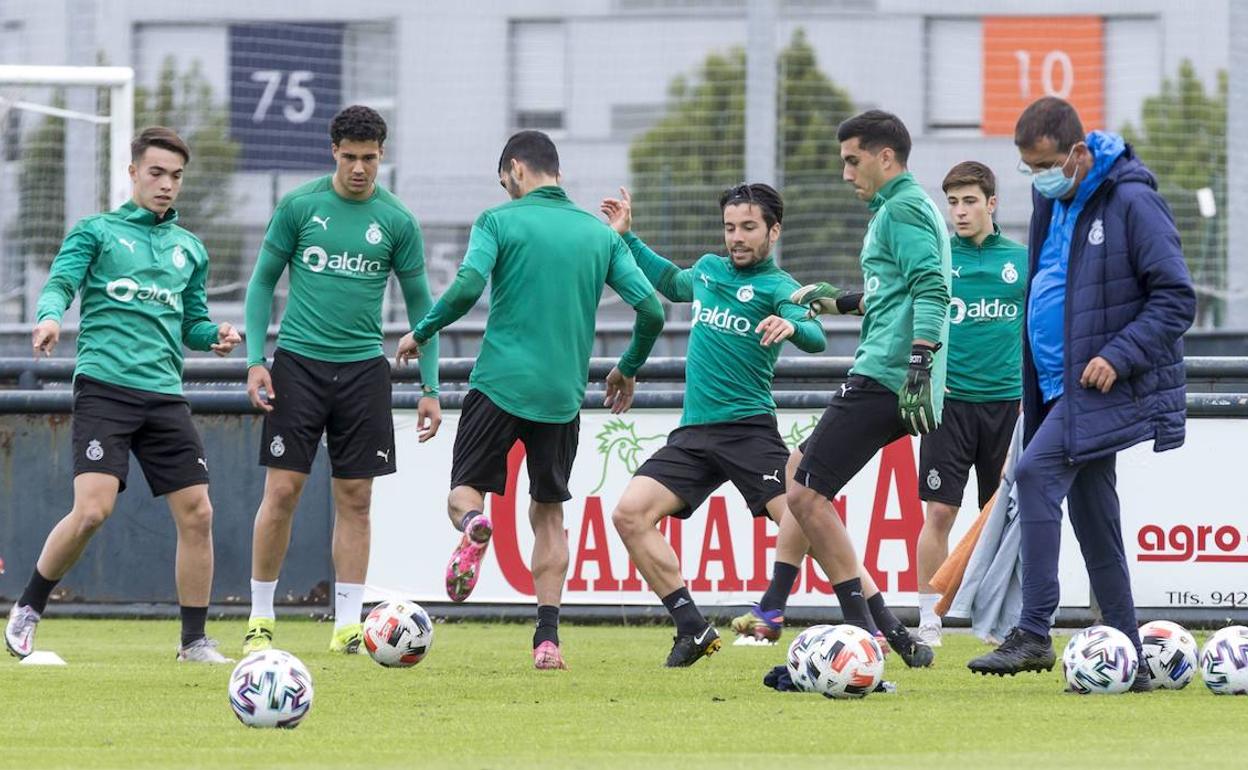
{"points": [[954, 74], [538, 75]]}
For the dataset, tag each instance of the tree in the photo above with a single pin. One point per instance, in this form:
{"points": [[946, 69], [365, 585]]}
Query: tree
{"points": [[40, 222], [206, 206], [1182, 139], [681, 165]]}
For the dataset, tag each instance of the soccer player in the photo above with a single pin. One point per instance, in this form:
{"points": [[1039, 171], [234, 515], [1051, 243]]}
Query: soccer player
{"points": [[547, 262], [140, 278], [896, 384], [340, 237], [1108, 300], [741, 317], [985, 377]]}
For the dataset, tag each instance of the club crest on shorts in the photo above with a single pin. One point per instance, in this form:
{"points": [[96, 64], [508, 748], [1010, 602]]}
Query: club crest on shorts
{"points": [[95, 452], [1096, 235], [1009, 273], [277, 447], [178, 258], [745, 293], [373, 234], [933, 479]]}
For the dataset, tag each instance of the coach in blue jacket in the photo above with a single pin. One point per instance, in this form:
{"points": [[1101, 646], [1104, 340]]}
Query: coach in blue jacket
{"points": [[1108, 300]]}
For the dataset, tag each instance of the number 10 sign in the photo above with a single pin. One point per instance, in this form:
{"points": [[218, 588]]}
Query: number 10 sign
{"points": [[1027, 57]]}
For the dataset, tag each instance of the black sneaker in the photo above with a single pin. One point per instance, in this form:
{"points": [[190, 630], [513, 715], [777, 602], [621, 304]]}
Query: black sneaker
{"points": [[1021, 651], [689, 648], [1143, 679], [916, 654]]}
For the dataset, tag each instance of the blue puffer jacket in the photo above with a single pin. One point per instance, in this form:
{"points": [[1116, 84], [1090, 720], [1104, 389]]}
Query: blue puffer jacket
{"points": [[1129, 299]]}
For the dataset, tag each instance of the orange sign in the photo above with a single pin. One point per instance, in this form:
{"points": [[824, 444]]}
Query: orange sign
{"points": [[1027, 57]]}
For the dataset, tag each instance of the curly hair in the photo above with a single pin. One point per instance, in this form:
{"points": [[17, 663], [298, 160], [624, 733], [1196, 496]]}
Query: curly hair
{"points": [[359, 124]]}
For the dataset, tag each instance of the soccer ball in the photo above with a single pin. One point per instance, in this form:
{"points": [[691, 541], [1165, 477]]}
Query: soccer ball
{"points": [[1224, 661], [398, 634], [799, 657], [1100, 660], [270, 688], [1170, 653], [845, 662]]}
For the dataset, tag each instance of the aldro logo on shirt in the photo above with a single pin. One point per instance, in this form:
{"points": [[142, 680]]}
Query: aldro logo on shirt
{"points": [[317, 260], [982, 309], [129, 290], [720, 318]]}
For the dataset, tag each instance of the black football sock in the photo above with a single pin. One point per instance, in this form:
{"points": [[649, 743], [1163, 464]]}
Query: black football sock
{"points": [[882, 615], [193, 621], [37, 592], [853, 605], [783, 577], [547, 625], [688, 617]]}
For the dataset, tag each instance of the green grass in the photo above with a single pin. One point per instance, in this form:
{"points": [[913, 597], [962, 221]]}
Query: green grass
{"points": [[475, 702]]}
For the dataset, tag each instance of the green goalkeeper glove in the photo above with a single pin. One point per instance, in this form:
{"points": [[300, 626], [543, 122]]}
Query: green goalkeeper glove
{"points": [[825, 299], [915, 402]]}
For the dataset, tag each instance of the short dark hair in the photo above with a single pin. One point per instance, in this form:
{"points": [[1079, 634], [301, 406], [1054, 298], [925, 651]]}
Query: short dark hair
{"points": [[971, 172], [875, 130], [358, 123], [158, 136], [766, 197], [1052, 117], [532, 148]]}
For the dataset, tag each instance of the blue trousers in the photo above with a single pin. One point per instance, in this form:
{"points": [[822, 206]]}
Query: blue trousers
{"points": [[1043, 479]]}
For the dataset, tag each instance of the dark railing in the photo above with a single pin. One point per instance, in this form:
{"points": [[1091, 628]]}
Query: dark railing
{"points": [[1217, 386]]}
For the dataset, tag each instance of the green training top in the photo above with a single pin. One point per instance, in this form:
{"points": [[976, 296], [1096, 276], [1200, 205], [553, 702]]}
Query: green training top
{"points": [[728, 373], [905, 270], [142, 297], [986, 319], [546, 261], [340, 254]]}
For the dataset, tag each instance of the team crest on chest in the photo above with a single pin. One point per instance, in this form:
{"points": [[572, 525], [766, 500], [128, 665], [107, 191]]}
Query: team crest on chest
{"points": [[178, 258], [373, 234], [745, 293], [1009, 273], [1096, 236]]}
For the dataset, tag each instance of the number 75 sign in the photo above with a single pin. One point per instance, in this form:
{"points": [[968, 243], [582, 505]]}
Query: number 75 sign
{"points": [[1027, 57], [285, 86]]}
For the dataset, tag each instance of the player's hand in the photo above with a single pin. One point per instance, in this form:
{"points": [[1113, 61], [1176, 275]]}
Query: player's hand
{"points": [[619, 391], [1099, 374], [825, 299], [914, 405], [619, 211], [774, 330], [428, 418], [409, 349], [45, 336], [258, 379], [228, 338]]}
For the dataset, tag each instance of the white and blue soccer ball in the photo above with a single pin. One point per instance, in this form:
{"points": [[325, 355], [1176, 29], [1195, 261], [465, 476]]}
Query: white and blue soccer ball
{"points": [[799, 656], [1170, 653], [844, 662], [1224, 661], [398, 634], [271, 688], [1099, 660]]}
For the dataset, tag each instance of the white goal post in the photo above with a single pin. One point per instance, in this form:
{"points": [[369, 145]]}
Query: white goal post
{"points": [[120, 120]]}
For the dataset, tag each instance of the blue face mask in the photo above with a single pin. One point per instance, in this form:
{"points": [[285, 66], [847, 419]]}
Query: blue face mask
{"points": [[1053, 183]]}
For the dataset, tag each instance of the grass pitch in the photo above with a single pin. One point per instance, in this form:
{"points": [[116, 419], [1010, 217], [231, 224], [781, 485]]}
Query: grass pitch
{"points": [[476, 702]]}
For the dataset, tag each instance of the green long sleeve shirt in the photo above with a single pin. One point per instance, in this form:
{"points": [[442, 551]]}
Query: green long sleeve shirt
{"points": [[728, 373], [547, 262], [340, 253], [141, 287], [905, 262]]}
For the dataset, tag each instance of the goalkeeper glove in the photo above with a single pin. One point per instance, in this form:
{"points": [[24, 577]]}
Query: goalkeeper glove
{"points": [[915, 403], [825, 299]]}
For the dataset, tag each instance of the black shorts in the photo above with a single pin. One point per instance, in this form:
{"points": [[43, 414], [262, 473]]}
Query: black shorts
{"points": [[486, 434], [969, 434], [348, 402], [861, 420], [111, 421], [697, 459]]}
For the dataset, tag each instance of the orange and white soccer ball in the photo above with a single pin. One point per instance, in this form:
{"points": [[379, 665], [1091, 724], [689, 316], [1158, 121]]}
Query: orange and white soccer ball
{"points": [[398, 634], [844, 662]]}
